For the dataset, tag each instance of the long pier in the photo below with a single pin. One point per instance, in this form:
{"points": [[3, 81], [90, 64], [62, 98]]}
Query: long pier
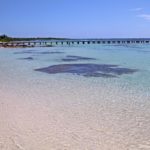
{"points": [[70, 42]]}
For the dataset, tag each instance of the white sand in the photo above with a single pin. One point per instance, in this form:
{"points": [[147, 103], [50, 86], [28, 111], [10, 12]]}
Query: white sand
{"points": [[64, 115]]}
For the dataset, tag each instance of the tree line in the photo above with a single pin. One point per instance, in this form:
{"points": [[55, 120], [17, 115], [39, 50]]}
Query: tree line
{"points": [[5, 38]]}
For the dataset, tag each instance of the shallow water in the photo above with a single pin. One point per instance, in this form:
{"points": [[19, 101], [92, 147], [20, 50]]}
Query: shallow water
{"points": [[71, 111]]}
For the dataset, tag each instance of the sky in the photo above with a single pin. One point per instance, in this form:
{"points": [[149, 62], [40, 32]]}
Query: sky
{"points": [[75, 18]]}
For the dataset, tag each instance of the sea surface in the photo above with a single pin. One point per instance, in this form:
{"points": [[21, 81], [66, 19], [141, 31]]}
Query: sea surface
{"points": [[77, 97]]}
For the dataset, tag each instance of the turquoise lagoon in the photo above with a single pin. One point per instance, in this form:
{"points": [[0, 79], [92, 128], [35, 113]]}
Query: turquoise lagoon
{"points": [[125, 56]]}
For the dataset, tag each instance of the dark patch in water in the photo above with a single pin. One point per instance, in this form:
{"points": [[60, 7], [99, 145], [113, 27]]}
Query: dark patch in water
{"points": [[27, 58], [76, 58], [24, 52], [50, 53], [104, 75], [88, 70], [35, 52]]}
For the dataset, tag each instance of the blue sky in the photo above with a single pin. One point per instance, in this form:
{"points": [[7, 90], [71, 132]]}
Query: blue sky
{"points": [[75, 18]]}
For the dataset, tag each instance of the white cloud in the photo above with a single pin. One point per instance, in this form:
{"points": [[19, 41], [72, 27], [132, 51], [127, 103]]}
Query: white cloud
{"points": [[136, 9], [145, 16]]}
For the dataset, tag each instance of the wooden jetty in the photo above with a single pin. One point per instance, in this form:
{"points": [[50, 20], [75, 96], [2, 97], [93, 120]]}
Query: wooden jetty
{"points": [[70, 42]]}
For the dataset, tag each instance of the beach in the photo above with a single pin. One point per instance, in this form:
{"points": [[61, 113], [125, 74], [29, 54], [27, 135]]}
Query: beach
{"points": [[75, 111]]}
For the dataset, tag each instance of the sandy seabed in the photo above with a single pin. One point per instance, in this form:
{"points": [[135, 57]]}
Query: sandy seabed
{"points": [[44, 112], [66, 115]]}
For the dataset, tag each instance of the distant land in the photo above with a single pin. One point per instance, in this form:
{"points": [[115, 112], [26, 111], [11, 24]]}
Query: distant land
{"points": [[5, 38]]}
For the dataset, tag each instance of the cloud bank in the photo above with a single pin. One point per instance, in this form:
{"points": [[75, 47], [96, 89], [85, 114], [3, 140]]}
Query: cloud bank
{"points": [[145, 16]]}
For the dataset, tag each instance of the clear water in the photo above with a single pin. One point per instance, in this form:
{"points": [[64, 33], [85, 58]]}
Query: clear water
{"points": [[67, 111], [128, 56]]}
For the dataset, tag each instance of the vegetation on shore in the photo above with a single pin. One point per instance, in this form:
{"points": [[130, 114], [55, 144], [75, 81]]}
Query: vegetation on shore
{"points": [[5, 38]]}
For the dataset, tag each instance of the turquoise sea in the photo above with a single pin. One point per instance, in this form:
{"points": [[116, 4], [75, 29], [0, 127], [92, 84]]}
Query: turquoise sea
{"points": [[65, 106], [125, 56]]}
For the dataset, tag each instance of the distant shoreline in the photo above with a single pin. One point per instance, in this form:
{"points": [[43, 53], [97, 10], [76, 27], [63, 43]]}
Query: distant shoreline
{"points": [[8, 42], [5, 41], [5, 38], [22, 46]]}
